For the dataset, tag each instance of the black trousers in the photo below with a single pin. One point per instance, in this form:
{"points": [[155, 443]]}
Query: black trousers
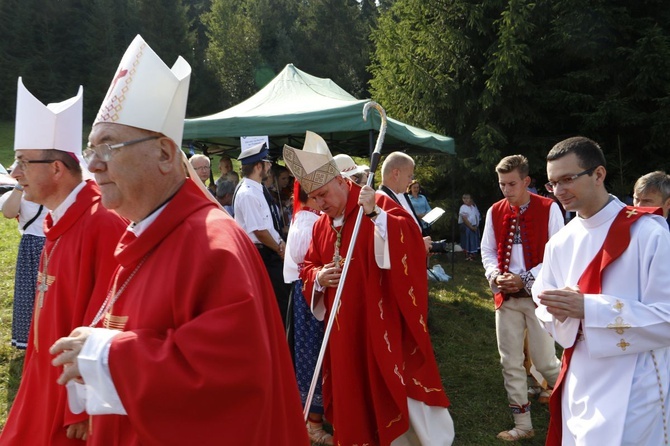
{"points": [[275, 268]]}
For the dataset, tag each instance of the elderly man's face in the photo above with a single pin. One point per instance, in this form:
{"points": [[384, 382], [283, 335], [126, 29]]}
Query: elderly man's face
{"points": [[201, 167], [332, 197], [36, 179], [126, 176]]}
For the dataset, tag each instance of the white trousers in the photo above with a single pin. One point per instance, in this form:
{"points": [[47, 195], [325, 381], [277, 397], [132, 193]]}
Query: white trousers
{"points": [[513, 318]]}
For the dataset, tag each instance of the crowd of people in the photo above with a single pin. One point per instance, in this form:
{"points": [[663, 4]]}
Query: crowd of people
{"points": [[122, 348]]}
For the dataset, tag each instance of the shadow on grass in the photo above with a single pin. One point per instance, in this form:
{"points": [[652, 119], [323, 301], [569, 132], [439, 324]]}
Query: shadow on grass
{"points": [[461, 319]]}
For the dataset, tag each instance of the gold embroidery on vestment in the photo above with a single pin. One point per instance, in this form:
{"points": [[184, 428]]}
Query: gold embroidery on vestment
{"points": [[396, 370], [113, 322], [395, 420], [630, 213], [423, 323], [381, 309], [619, 326], [618, 305], [386, 338], [623, 344], [425, 389], [404, 262], [402, 237], [411, 294]]}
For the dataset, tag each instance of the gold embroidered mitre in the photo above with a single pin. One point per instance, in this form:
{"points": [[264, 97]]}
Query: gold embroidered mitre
{"points": [[313, 166]]}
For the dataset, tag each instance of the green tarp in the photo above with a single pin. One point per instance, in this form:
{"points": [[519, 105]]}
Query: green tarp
{"points": [[294, 102]]}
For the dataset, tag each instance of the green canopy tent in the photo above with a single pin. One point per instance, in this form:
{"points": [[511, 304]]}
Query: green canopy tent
{"points": [[294, 102]]}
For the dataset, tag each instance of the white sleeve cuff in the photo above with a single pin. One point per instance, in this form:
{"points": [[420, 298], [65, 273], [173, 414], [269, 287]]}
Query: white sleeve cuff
{"points": [[382, 256], [93, 360]]}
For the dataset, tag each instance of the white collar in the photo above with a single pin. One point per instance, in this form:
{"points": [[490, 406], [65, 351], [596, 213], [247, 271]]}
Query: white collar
{"points": [[139, 228], [62, 208]]}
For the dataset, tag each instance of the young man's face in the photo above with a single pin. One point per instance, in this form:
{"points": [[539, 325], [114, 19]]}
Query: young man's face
{"points": [[578, 194], [514, 187], [651, 199]]}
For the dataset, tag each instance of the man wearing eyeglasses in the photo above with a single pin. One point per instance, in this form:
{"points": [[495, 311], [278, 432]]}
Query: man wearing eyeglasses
{"points": [[188, 349], [517, 228], [75, 267], [201, 165], [604, 295]]}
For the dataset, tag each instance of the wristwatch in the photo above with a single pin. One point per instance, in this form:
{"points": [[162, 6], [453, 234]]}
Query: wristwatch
{"points": [[372, 215]]}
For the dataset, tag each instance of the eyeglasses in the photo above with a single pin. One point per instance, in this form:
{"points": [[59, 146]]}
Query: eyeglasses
{"points": [[23, 164], [201, 168], [104, 151], [565, 182]]}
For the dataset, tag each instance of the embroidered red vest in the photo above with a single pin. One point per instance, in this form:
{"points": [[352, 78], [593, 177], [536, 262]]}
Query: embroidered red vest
{"points": [[533, 228]]}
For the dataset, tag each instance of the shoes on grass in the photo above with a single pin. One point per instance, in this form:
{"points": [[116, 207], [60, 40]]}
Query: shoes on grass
{"points": [[318, 436], [516, 434], [544, 396]]}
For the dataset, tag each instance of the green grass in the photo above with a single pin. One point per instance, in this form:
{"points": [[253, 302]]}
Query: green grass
{"points": [[6, 143], [11, 359], [462, 325]]}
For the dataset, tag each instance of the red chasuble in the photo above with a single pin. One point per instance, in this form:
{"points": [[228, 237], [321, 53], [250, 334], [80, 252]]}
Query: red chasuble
{"points": [[379, 352], [80, 249], [203, 358]]}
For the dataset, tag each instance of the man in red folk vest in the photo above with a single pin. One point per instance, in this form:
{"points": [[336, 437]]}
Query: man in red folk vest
{"points": [[517, 228], [604, 295]]}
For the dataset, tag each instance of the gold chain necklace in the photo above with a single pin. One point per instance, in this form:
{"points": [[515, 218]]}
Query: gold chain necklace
{"points": [[113, 295], [337, 258]]}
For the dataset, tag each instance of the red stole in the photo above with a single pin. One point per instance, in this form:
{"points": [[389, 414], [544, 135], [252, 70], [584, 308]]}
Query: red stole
{"points": [[533, 229], [616, 242]]}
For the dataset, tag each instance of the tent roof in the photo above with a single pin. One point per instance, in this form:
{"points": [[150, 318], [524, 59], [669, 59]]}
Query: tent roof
{"points": [[294, 102]]}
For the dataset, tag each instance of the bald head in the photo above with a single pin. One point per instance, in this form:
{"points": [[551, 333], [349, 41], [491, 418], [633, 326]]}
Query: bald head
{"points": [[397, 172]]}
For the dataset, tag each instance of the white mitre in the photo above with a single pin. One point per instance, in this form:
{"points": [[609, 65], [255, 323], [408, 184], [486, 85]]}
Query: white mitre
{"points": [[47, 127], [146, 94]]}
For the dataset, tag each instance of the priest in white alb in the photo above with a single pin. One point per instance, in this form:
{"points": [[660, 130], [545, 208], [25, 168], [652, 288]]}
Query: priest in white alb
{"points": [[604, 295]]}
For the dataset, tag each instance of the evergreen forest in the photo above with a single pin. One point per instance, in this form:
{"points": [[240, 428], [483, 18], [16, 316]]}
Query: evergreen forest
{"points": [[499, 76]]}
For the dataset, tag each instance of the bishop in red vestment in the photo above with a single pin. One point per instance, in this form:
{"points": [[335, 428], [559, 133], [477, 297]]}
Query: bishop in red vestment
{"points": [[189, 349], [379, 353], [202, 358], [75, 269]]}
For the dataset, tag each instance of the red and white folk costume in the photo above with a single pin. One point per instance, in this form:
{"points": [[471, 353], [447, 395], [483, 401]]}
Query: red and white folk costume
{"points": [[513, 241]]}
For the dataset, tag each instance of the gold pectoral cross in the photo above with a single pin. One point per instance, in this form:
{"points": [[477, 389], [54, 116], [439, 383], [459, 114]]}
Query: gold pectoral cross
{"points": [[43, 284], [337, 257]]}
